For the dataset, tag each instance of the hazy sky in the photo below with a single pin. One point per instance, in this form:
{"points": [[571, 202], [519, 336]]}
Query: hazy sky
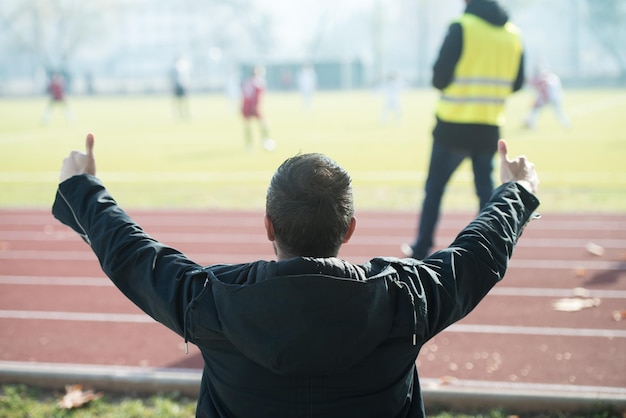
{"points": [[296, 21]]}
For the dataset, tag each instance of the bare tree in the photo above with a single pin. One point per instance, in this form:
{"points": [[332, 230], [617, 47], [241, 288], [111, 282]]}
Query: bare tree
{"points": [[606, 20], [54, 30], [319, 34], [256, 23]]}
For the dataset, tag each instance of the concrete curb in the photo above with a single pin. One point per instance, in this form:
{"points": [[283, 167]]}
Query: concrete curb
{"points": [[459, 395], [520, 397], [105, 378]]}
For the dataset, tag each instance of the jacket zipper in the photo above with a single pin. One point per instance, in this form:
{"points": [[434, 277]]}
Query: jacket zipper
{"points": [[189, 307]]}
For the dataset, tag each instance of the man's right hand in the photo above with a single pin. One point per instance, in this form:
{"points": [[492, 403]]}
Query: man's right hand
{"points": [[519, 169], [77, 163]]}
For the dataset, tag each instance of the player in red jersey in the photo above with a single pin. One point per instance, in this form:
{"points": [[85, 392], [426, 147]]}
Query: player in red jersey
{"points": [[251, 92], [56, 91]]}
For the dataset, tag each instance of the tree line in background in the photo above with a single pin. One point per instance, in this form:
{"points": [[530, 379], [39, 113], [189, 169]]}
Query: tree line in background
{"points": [[57, 35]]}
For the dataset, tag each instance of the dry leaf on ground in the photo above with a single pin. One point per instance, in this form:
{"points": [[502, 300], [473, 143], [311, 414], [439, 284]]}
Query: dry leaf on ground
{"points": [[575, 304], [594, 249], [447, 380], [75, 397], [619, 315]]}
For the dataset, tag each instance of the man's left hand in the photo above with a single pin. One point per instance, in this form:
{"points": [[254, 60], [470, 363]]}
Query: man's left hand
{"points": [[77, 163]]}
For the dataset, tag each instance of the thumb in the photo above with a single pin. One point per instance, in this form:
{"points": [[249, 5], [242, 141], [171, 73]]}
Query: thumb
{"points": [[91, 161], [89, 141], [503, 151]]}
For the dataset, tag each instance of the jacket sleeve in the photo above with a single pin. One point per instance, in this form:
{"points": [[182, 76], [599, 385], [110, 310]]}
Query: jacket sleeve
{"points": [[449, 55], [158, 279], [456, 279], [521, 76]]}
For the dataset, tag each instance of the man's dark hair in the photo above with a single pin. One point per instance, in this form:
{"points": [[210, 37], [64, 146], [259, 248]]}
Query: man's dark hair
{"points": [[309, 202]]}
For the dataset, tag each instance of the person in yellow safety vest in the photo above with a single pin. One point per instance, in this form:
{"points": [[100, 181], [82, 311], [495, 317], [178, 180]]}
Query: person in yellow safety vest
{"points": [[480, 63]]}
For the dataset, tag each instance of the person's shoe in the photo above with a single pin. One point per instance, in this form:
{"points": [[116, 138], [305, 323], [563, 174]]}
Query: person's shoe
{"points": [[416, 253], [407, 250]]}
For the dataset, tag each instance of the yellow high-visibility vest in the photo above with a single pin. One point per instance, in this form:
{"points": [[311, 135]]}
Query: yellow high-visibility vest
{"points": [[484, 75]]}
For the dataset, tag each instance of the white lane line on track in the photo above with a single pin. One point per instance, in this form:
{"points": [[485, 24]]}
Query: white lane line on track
{"points": [[516, 263], [207, 258], [460, 328], [523, 330], [47, 255], [554, 292], [76, 316], [179, 237], [56, 281], [260, 238], [497, 291], [521, 263]]}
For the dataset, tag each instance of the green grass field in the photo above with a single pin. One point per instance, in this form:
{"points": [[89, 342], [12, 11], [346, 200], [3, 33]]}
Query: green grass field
{"points": [[149, 159]]}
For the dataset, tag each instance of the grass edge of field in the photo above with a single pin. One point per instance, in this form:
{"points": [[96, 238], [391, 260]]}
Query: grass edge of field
{"points": [[20, 400]]}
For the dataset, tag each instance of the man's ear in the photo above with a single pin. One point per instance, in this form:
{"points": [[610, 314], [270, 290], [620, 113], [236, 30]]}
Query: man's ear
{"points": [[269, 229], [351, 229]]}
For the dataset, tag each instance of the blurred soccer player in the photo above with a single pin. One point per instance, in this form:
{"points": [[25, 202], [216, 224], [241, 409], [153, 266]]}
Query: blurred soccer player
{"points": [[391, 89], [549, 92], [307, 84], [251, 93], [56, 91], [180, 85]]}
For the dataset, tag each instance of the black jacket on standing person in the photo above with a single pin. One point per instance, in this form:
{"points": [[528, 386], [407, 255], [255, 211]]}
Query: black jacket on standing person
{"points": [[303, 337], [457, 135]]}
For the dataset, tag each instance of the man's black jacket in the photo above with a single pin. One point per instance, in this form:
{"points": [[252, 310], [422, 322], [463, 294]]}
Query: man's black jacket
{"points": [[303, 337]]}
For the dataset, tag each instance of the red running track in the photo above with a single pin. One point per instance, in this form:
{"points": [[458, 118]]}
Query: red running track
{"points": [[56, 306]]}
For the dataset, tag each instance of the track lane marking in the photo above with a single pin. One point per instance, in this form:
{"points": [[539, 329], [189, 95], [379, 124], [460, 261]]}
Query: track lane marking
{"points": [[543, 331], [77, 316], [401, 220], [516, 263], [260, 238], [55, 281], [457, 328], [496, 291]]}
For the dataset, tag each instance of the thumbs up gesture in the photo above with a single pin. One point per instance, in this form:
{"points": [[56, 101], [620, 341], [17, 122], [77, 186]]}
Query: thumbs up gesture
{"points": [[518, 169], [77, 163]]}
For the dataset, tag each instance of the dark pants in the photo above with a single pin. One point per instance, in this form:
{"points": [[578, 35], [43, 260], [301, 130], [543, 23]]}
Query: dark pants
{"points": [[443, 162]]}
